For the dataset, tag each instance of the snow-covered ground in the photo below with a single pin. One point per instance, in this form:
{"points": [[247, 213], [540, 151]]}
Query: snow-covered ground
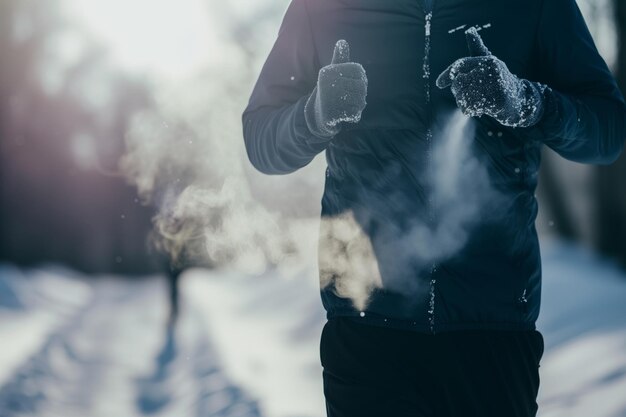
{"points": [[583, 320], [108, 352], [249, 346]]}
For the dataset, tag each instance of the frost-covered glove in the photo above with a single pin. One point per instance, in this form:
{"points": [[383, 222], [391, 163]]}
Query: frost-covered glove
{"points": [[339, 95], [482, 84]]}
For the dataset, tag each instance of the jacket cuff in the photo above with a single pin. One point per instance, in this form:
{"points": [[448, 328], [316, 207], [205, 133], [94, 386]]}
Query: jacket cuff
{"points": [[551, 122], [307, 139], [312, 117]]}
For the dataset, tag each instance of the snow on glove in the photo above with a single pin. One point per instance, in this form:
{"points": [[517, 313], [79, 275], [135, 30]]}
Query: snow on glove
{"points": [[482, 84], [339, 95]]}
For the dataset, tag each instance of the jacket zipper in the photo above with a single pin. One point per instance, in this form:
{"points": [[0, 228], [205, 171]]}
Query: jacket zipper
{"points": [[428, 15]]}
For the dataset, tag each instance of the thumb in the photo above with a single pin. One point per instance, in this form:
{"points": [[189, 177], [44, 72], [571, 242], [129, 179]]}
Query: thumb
{"points": [[341, 55], [445, 79], [475, 43]]}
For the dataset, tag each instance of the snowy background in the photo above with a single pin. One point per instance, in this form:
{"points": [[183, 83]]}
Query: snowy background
{"points": [[119, 115], [249, 345]]}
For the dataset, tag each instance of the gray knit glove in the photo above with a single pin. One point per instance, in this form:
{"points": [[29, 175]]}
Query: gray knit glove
{"points": [[482, 84], [339, 95]]}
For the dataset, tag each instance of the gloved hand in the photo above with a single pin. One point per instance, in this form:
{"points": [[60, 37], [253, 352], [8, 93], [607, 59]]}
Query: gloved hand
{"points": [[482, 84], [339, 95]]}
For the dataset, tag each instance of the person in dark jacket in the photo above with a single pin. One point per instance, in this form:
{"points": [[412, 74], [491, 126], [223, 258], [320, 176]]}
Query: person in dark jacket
{"points": [[414, 329]]}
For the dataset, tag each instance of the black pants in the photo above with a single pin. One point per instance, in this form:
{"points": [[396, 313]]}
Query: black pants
{"points": [[373, 371]]}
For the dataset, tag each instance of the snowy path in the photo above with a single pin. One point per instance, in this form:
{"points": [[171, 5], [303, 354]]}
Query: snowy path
{"points": [[115, 357], [248, 346]]}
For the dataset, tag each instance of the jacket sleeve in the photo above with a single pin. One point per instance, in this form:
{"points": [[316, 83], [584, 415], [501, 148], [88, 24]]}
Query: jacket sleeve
{"points": [[585, 116], [276, 136]]}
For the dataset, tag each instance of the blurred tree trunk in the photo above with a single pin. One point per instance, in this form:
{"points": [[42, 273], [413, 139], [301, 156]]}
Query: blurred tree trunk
{"points": [[610, 190]]}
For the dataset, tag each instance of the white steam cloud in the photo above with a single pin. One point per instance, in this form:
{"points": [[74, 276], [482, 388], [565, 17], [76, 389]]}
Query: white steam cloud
{"points": [[185, 155], [461, 192]]}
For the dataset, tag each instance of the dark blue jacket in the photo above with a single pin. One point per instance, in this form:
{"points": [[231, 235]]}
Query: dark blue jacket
{"points": [[378, 169]]}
